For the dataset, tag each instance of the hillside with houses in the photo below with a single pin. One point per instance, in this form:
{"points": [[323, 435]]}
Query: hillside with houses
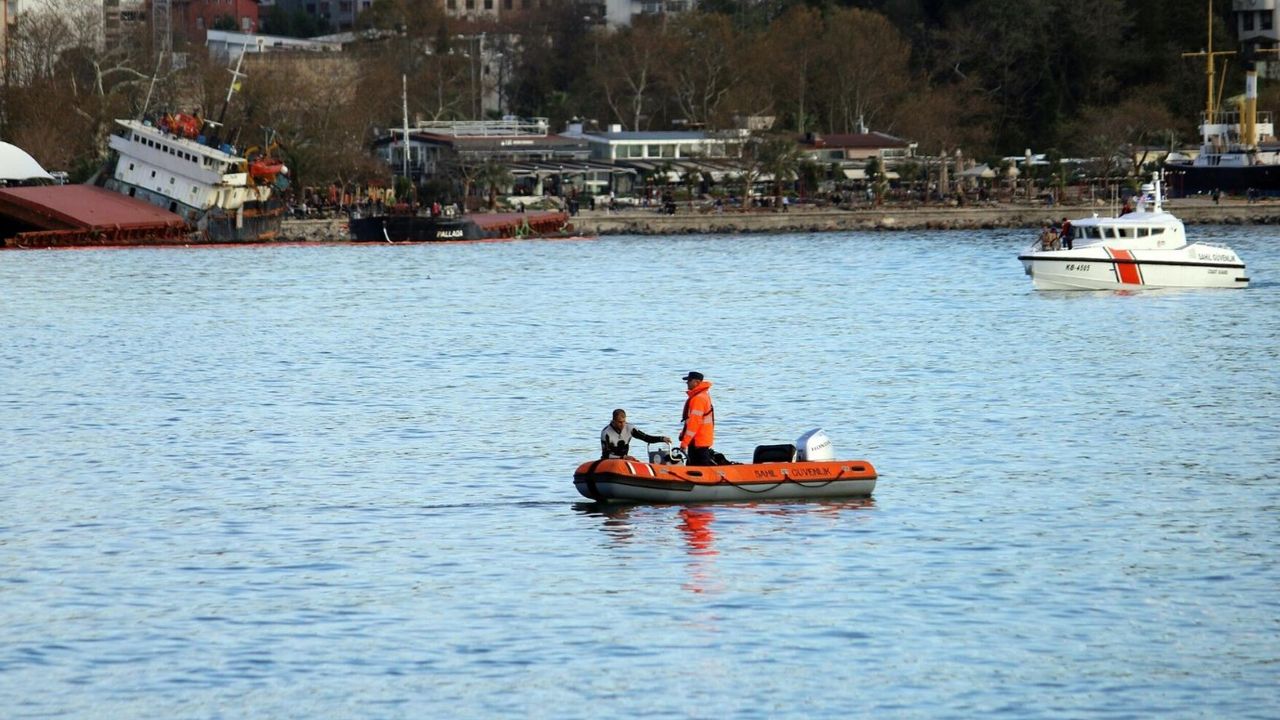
{"points": [[472, 101]]}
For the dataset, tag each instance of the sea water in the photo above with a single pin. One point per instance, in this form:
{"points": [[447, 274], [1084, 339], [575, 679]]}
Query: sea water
{"points": [[335, 481]]}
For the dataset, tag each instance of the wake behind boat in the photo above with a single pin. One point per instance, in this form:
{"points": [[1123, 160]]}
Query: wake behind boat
{"points": [[776, 472], [1146, 248]]}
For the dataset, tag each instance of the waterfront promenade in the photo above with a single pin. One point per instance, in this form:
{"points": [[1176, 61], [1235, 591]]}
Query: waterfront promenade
{"points": [[802, 218]]}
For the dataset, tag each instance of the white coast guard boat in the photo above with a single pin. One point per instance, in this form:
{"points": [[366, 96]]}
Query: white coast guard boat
{"points": [[1146, 248]]}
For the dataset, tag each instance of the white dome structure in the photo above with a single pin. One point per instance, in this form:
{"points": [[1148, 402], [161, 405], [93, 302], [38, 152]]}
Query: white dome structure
{"points": [[17, 166]]}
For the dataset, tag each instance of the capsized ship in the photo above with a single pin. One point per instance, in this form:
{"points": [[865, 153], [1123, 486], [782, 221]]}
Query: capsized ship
{"points": [[226, 196], [179, 163]]}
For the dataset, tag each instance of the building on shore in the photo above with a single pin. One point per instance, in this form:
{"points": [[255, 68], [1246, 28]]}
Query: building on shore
{"points": [[540, 162], [225, 46], [850, 153]]}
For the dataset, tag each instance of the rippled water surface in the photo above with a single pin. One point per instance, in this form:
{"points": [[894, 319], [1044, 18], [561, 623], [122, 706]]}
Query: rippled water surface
{"points": [[336, 481]]}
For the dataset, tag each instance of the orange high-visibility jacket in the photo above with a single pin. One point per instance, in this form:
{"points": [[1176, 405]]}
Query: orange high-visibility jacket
{"points": [[699, 418]]}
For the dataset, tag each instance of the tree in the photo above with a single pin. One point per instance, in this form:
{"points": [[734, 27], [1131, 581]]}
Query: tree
{"points": [[63, 89], [866, 64], [760, 156], [779, 158], [692, 179], [628, 70], [494, 176], [788, 61], [701, 69], [225, 22], [555, 44], [306, 103], [295, 23], [1128, 130]]}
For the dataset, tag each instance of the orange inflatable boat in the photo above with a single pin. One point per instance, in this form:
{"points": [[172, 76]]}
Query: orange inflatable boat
{"points": [[774, 473], [634, 481]]}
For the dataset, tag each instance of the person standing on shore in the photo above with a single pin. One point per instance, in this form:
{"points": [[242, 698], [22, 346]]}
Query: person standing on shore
{"points": [[699, 420]]}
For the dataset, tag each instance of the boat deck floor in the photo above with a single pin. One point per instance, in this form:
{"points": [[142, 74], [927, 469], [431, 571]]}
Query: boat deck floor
{"points": [[82, 215]]}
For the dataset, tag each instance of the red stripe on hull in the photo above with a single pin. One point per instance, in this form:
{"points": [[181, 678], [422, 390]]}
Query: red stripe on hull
{"points": [[1126, 267]]}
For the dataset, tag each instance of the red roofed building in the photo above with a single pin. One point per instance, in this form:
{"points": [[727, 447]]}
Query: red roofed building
{"points": [[856, 146], [852, 151]]}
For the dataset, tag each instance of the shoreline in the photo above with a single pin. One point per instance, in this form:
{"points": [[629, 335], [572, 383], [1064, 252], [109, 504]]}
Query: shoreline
{"points": [[801, 219]]}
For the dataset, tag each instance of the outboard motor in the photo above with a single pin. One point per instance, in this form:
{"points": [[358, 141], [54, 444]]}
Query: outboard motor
{"points": [[666, 456], [814, 446]]}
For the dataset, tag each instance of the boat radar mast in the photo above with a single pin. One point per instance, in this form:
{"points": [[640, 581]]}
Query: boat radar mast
{"points": [[1212, 93]]}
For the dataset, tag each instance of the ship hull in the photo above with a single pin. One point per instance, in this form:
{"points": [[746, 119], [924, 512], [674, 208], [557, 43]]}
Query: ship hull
{"points": [[1190, 180], [489, 226], [412, 228], [255, 221]]}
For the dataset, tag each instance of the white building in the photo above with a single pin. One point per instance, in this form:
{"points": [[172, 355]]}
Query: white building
{"points": [[225, 45], [618, 144], [618, 13], [1258, 28]]}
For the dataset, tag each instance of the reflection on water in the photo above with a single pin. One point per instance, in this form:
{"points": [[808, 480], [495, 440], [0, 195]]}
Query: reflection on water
{"points": [[625, 524], [695, 525]]}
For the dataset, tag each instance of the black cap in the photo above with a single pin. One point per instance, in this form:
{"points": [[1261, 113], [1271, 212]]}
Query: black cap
{"points": [[693, 375]]}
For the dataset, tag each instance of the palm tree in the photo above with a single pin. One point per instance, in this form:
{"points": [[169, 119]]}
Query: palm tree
{"points": [[778, 156], [494, 176], [692, 178]]}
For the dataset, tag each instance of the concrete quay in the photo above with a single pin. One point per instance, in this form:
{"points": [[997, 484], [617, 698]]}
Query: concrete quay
{"points": [[891, 218], [804, 219]]}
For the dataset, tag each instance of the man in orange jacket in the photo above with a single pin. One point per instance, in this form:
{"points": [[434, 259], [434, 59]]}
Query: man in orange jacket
{"points": [[699, 422]]}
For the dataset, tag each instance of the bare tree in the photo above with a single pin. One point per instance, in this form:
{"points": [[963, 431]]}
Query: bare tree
{"points": [[1128, 131], [702, 67], [307, 102], [63, 87], [787, 58], [865, 67], [629, 69]]}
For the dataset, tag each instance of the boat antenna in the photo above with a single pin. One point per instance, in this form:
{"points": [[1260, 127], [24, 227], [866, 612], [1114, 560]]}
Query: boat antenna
{"points": [[231, 88], [147, 103]]}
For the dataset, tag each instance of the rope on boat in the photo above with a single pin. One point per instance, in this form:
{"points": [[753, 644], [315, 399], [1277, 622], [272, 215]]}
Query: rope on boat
{"points": [[821, 484], [785, 478]]}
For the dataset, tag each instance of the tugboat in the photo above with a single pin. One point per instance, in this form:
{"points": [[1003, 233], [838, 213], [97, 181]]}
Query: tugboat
{"points": [[178, 163]]}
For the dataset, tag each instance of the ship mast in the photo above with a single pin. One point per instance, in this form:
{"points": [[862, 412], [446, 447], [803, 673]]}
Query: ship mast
{"points": [[1210, 61]]}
